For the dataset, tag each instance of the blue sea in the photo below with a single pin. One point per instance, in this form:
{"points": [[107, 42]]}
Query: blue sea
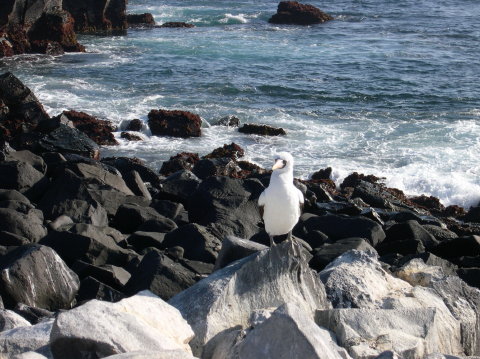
{"points": [[390, 87]]}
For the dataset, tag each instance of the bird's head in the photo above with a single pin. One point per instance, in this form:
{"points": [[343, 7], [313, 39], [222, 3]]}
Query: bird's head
{"points": [[283, 162]]}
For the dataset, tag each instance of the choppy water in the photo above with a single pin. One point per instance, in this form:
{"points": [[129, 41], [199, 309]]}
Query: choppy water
{"points": [[389, 88]]}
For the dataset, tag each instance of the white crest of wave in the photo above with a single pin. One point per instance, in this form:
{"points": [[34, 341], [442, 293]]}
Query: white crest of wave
{"points": [[230, 18]]}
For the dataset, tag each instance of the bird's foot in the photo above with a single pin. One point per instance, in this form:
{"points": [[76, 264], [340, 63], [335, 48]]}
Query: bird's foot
{"points": [[272, 242]]}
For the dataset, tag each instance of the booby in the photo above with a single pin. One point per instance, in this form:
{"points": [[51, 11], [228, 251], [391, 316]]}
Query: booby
{"points": [[281, 202]]}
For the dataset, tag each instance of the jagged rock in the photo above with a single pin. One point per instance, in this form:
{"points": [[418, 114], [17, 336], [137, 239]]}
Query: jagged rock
{"points": [[32, 159], [29, 338], [230, 121], [292, 12], [339, 227], [287, 333], [196, 241], [87, 243], [227, 297], [440, 233], [100, 131], [10, 320], [181, 161], [209, 167], [142, 322], [130, 136], [113, 276], [140, 240], [430, 259], [126, 165], [129, 217], [22, 177], [65, 139], [228, 205], [416, 272], [262, 130], [37, 276], [179, 187], [167, 208], [376, 195], [91, 288], [140, 19], [234, 248], [136, 185], [94, 17], [161, 275], [458, 247], [232, 151], [29, 226], [329, 251], [34, 315], [174, 123], [135, 124], [176, 24], [409, 332]]}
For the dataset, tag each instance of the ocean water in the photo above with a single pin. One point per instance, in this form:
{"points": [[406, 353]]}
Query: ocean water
{"points": [[389, 88]]}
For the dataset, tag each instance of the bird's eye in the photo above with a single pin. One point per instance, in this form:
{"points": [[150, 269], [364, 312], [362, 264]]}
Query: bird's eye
{"points": [[284, 163]]}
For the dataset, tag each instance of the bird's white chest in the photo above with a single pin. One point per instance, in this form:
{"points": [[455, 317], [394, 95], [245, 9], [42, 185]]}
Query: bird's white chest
{"points": [[281, 209]]}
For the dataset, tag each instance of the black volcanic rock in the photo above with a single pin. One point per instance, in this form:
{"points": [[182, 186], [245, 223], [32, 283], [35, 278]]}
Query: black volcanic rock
{"points": [[94, 16], [145, 19], [129, 217], [293, 12], [35, 275], [174, 123], [177, 24], [181, 161], [134, 125], [28, 226], [263, 130], [179, 187]]}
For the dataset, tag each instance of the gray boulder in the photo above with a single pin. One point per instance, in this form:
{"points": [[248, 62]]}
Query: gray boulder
{"points": [[129, 217], [22, 177], [136, 184], [10, 320], [287, 333], [144, 354], [29, 338], [234, 248], [25, 225], [100, 329], [32, 159], [266, 279], [37, 276]]}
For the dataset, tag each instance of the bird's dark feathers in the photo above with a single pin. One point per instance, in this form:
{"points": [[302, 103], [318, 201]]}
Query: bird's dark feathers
{"points": [[260, 209]]}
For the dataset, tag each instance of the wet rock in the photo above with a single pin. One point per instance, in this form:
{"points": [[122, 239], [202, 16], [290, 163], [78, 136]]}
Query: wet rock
{"points": [[25, 339], [37, 276], [292, 12], [234, 248], [229, 121], [179, 187], [181, 161], [93, 17], [229, 205], [25, 113], [100, 131], [329, 251], [91, 288], [145, 19], [135, 124], [262, 130], [177, 25], [228, 296], [174, 123], [130, 136], [142, 322], [473, 215], [232, 151], [322, 174], [28, 226], [65, 139], [161, 275], [56, 27], [196, 241], [339, 227], [428, 202]]}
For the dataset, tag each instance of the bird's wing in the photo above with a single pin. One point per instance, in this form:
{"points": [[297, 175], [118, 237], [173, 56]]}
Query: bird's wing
{"points": [[301, 199], [261, 203]]}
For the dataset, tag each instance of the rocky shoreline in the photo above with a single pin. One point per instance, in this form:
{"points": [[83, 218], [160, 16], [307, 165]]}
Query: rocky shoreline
{"points": [[105, 257]]}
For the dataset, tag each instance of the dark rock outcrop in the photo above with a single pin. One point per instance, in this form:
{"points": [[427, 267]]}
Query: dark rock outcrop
{"points": [[181, 161], [145, 19], [263, 130], [134, 125], [232, 151], [97, 16], [177, 24], [174, 123], [130, 136], [293, 12]]}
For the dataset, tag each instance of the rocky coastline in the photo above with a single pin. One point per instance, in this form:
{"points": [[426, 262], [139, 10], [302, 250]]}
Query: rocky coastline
{"points": [[106, 257]]}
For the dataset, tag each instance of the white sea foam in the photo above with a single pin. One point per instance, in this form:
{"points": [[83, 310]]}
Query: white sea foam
{"points": [[233, 19]]}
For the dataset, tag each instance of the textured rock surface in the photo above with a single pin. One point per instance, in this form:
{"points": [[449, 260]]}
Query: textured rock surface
{"points": [[94, 16], [226, 298], [10, 320], [142, 322], [174, 123], [234, 248], [37, 276], [29, 338], [292, 12], [263, 130]]}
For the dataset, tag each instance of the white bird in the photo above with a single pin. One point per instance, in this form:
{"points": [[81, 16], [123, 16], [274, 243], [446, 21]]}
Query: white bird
{"points": [[281, 202]]}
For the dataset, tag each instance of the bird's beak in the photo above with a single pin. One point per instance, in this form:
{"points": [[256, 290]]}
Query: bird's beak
{"points": [[278, 164]]}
